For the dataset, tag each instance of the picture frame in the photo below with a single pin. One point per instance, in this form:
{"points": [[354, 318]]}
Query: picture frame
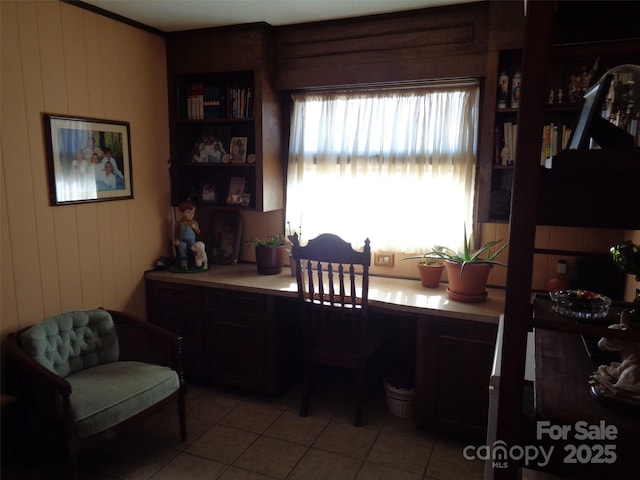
{"points": [[88, 159], [209, 145], [236, 189], [208, 193], [238, 149]]}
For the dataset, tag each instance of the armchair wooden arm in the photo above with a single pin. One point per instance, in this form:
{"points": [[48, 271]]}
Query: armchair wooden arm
{"points": [[42, 392], [145, 342]]}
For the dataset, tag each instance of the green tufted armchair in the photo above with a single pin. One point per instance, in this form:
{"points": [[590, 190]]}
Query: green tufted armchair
{"points": [[83, 376]]}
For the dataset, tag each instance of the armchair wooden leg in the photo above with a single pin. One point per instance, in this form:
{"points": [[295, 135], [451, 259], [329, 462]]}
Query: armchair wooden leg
{"points": [[182, 417], [71, 467], [360, 398], [306, 391]]}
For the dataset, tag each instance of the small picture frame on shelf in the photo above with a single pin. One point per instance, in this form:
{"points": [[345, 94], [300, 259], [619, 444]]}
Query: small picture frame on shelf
{"points": [[209, 145], [238, 149], [236, 189], [208, 193]]}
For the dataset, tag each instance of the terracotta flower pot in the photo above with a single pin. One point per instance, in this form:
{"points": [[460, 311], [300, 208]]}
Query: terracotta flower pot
{"points": [[430, 274], [470, 287], [269, 260]]}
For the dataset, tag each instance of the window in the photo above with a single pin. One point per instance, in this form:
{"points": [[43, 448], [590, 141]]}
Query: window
{"points": [[397, 165]]}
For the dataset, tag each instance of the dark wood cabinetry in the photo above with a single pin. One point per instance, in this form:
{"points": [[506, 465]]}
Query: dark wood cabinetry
{"points": [[235, 326], [580, 18], [220, 90], [572, 67], [454, 361], [232, 338], [178, 308]]}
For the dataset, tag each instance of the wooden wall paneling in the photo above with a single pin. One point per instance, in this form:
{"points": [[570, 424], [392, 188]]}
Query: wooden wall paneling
{"points": [[33, 152], [486, 137], [8, 299], [506, 24], [149, 153], [106, 252], [17, 187], [57, 58], [271, 166], [88, 252], [70, 279], [114, 74], [99, 72], [78, 72], [217, 49], [433, 43], [53, 80], [120, 237]]}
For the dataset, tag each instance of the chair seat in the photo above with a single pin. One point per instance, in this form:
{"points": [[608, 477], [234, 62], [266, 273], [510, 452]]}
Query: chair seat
{"points": [[108, 394]]}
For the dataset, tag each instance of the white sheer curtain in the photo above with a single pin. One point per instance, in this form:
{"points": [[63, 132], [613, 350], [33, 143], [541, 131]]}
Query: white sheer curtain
{"points": [[396, 166]]}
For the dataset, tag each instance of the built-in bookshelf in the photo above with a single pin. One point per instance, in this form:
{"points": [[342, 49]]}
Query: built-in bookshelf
{"points": [[573, 71], [221, 97], [215, 161]]}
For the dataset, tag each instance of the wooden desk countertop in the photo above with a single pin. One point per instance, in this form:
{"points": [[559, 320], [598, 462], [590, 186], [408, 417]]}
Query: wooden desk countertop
{"points": [[385, 293]]}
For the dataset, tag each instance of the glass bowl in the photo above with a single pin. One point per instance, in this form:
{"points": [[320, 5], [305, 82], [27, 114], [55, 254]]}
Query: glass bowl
{"points": [[580, 304]]}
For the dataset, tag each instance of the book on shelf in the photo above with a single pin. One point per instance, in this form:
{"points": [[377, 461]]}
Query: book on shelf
{"points": [[213, 102], [206, 101], [508, 149], [497, 144], [555, 137], [195, 101]]}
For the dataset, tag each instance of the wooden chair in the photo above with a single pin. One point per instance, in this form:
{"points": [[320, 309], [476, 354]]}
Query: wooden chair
{"points": [[333, 287]]}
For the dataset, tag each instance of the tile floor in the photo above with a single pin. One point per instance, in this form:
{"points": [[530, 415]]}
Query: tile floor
{"points": [[232, 436]]}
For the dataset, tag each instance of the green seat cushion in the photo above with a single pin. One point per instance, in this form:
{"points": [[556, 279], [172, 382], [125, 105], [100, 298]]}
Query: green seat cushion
{"points": [[71, 341], [108, 394]]}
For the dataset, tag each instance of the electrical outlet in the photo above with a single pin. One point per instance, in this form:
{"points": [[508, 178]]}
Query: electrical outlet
{"points": [[383, 259]]}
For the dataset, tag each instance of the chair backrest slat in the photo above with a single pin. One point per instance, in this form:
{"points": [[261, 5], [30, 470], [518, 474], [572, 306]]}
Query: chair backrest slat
{"points": [[330, 272]]}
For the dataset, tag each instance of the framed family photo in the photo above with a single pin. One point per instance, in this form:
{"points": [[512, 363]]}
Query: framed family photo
{"points": [[89, 160]]}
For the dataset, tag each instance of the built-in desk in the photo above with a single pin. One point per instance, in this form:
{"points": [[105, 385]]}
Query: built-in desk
{"points": [[241, 329], [389, 294], [562, 397]]}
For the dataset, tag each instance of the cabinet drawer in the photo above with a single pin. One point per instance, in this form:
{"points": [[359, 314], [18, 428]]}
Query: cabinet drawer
{"points": [[233, 301], [172, 296]]}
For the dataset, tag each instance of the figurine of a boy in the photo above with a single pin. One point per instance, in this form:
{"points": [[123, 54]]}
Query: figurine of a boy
{"points": [[185, 231]]}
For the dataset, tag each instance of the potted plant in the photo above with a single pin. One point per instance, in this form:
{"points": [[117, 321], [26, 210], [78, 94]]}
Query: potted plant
{"points": [[468, 269], [430, 270], [269, 254]]}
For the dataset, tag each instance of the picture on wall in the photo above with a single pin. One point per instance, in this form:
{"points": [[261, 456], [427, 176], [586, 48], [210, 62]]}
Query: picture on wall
{"points": [[89, 160]]}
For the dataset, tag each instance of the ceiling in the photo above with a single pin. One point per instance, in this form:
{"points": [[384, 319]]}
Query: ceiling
{"points": [[174, 15]]}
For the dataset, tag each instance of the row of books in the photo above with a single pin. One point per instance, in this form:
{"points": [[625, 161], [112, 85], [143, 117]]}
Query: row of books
{"points": [[212, 101], [555, 137]]}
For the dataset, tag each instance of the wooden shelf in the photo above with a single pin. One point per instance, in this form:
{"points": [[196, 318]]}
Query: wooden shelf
{"points": [[591, 188], [562, 397], [545, 318]]}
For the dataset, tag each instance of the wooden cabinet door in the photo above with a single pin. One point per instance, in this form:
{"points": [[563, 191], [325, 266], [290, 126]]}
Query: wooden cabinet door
{"points": [[178, 308], [454, 361], [235, 326]]}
